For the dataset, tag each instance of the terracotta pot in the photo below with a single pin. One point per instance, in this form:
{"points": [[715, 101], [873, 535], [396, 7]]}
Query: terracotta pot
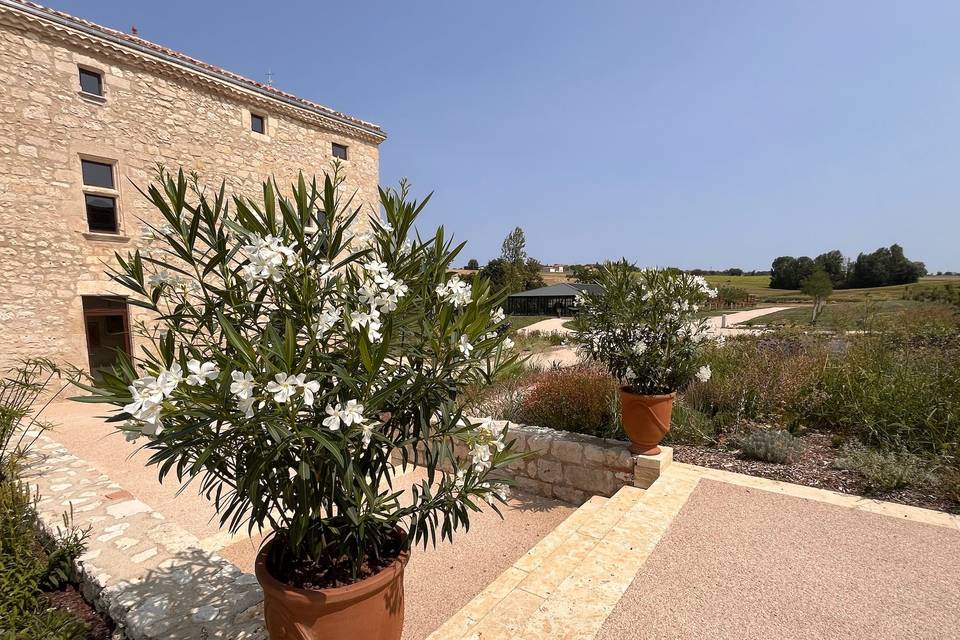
{"points": [[646, 420], [371, 609]]}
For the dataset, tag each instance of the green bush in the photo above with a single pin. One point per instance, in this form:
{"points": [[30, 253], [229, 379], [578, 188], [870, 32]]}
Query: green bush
{"points": [[885, 471], [891, 390], [778, 446], [690, 426], [580, 399], [31, 565]]}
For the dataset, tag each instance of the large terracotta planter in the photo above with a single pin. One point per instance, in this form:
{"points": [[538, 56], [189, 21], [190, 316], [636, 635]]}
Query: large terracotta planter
{"points": [[371, 609], [646, 420]]}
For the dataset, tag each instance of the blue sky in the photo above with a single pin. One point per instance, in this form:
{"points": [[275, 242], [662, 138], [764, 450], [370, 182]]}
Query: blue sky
{"points": [[696, 134]]}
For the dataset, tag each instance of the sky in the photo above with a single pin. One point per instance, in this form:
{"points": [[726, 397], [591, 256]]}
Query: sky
{"points": [[692, 134]]}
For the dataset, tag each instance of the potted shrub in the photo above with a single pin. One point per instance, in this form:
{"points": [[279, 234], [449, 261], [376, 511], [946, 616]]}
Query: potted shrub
{"points": [[291, 366], [643, 326]]}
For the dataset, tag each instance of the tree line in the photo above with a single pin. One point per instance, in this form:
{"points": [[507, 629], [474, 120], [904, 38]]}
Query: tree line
{"points": [[885, 266], [514, 270]]}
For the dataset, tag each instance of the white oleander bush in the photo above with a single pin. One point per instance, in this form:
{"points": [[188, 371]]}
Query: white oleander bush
{"points": [[293, 361], [644, 326]]}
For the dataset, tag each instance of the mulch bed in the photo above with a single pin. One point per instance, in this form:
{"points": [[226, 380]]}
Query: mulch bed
{"points": [[99, 627], [814, 469]]}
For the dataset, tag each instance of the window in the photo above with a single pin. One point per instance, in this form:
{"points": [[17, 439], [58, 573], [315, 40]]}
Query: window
{"points": [[258, 124], [100, 196], [91, 82], [339, 151]]}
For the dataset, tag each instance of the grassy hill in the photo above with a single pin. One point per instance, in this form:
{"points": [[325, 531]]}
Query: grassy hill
{"points": [[759, 286]]}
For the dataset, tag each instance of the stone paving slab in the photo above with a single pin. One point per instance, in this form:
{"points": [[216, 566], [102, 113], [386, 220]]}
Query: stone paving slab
{"points": [[148, 573]]}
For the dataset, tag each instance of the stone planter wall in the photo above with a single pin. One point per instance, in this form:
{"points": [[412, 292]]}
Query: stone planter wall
{"points": [[572, 467]]}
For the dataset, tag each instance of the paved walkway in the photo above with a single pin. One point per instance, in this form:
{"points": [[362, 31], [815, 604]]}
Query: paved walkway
{"points": [[804, 563], [163, 567], [567, 356], [551, 325]]}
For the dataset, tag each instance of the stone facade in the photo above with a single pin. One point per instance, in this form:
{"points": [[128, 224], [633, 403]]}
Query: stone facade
{"points": [[158, 107]]}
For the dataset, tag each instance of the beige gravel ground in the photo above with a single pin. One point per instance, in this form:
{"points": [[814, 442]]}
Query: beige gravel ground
{"points": [[438, 581], [744, 563]]}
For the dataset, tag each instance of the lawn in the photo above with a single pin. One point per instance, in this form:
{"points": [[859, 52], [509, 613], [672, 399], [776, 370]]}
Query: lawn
{"points": [[519, 322], [840, 314], [759, 286]]}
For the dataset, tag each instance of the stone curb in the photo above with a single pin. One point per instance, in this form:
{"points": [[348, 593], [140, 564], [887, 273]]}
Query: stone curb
{"points": [[149, 574]]}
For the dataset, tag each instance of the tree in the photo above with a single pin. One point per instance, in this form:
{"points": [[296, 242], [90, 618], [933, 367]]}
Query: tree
{"points": [[496, 273], [532, 275], [835, 266], [514, 247], [885, 266], [788, 272], [819, 287], [472, 264]]}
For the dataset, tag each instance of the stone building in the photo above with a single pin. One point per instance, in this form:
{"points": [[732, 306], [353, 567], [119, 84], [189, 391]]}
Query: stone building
{"points": [[86, 113]]}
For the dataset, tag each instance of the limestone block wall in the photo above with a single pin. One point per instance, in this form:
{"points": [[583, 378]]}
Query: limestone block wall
{"points": [[152, 113]]}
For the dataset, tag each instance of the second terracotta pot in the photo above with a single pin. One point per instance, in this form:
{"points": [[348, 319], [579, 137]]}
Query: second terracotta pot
{"points": [[646, 420], [371, 609]]}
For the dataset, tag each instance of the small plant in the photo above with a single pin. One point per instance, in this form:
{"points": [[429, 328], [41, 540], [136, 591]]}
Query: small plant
{"points": [[579, 399], [779, 447], [644, 327], [690, 426], [885, 471]]}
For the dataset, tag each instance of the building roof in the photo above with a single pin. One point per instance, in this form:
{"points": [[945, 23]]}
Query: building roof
{"points": [[79, 28], [563, 290]]}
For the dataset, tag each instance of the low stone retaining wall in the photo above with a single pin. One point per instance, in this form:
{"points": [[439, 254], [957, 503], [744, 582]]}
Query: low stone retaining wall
{"points": [[572, 467]]}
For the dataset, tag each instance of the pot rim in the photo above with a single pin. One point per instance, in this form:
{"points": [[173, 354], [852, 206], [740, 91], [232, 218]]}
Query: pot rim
{"points": [[654, 396], [333, 595]]}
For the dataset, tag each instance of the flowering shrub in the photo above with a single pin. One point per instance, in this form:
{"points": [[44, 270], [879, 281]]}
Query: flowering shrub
{"points": [[293, 360], [643, 326]]}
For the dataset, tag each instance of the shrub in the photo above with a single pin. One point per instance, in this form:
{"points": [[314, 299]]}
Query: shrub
{"points": [[885, 471], [580, 399], [690, 426], [777, 446], [892, 391], [293, 358], [643, 326]]}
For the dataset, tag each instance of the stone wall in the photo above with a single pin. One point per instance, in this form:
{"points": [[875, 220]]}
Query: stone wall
{"points": [[152, 113], [572, 467]]}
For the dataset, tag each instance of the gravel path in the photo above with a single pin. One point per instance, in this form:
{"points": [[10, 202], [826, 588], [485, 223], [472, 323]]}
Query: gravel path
{"points": [[552, 325], [744, 563]]}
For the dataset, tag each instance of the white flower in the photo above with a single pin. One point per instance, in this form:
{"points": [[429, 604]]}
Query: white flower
{"points": [[497, 315], [367, 434], [168, 379], [267, 256], [307, 388], [283, 387], [455, 291], [200, 373], [242, 385], [640, 348], [351, 413], [329, 315], [704, 373], [161, 278], [465, 346], [369, 320], [497, 490], [481, 456], [246, 405], [507, 343]]}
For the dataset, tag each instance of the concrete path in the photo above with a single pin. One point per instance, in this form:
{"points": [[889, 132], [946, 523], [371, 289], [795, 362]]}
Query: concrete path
{"points": [[152, 548], [719, 327], [551, 325], [805, 562]]}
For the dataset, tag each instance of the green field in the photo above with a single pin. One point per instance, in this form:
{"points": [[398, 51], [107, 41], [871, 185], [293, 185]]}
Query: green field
{"points": [[519, 322], [837, 315], [759, 286]]}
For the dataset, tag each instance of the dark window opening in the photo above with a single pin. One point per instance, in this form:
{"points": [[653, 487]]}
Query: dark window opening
{"points": [[97, 174], [339, 151], [106, 322], [258, 123], [91, 82], [101, 213]]}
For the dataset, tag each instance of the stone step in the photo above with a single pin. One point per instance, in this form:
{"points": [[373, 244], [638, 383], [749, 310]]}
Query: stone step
{"points": [[569, 582], [503, 607], [578, 606]]}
